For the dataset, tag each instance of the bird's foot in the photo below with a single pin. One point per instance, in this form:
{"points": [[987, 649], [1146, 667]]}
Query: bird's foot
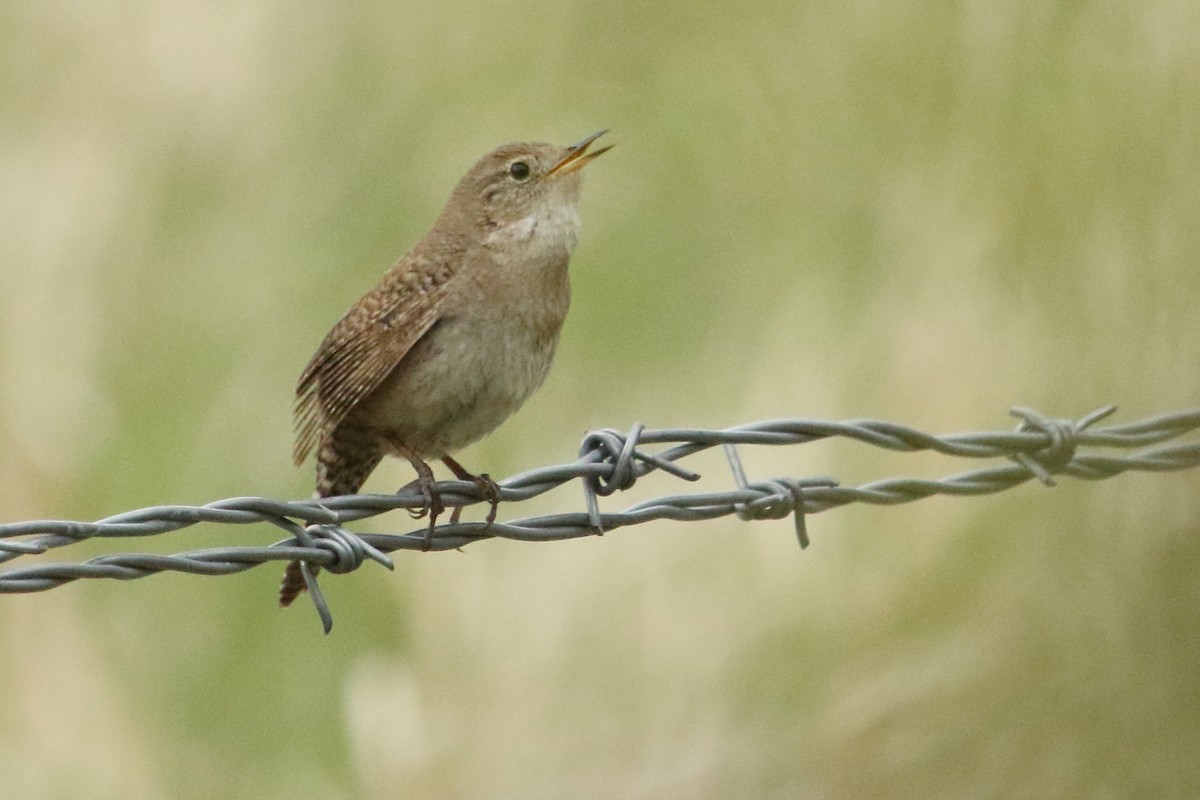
{"points": [[487, 487], [433, 505]]}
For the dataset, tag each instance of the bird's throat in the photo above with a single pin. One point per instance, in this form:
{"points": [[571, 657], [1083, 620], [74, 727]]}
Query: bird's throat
{"points": [[550, 230]]}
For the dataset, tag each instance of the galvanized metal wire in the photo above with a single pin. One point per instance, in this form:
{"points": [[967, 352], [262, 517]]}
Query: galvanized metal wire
{"points": [[610, 461]]}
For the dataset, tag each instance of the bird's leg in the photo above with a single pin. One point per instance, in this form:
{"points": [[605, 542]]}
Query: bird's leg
{"points": [[425, 482], [489, 488]]}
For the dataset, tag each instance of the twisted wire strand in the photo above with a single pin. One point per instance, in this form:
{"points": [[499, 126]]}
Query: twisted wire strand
{"points": [[610, 461]]}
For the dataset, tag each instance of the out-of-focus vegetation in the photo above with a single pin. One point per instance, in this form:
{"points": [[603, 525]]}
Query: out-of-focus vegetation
{"points": [[924, 212]]}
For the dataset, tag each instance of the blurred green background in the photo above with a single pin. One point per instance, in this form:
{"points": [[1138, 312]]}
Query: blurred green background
{"points": [[921, 212]]}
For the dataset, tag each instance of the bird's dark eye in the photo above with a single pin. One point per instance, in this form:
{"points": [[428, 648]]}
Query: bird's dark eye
{"points": [[519, 171]]}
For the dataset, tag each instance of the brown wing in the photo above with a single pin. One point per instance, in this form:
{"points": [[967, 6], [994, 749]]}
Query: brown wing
{"points": [[366, 345]]}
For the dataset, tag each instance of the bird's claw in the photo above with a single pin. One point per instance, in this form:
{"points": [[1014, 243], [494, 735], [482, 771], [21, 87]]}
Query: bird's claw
{"points": [[432, 507]]}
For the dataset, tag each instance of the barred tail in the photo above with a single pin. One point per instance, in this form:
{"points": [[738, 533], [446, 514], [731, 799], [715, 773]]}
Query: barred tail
{"points": [[344, 462]]}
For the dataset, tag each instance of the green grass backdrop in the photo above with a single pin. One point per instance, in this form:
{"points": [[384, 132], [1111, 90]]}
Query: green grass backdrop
{"points": [[923, 212]]}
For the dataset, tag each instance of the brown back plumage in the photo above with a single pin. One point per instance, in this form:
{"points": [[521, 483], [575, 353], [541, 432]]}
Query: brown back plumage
{"points": [[367, 344]]}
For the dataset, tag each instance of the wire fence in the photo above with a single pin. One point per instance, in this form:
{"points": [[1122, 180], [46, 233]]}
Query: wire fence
{"points": [[609, 461]]}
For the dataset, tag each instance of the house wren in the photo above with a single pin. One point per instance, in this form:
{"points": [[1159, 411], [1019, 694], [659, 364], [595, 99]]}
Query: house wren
{"points": [[457, 335]]}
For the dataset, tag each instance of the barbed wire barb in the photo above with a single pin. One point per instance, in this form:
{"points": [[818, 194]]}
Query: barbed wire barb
{"points": [[1040, 448]]}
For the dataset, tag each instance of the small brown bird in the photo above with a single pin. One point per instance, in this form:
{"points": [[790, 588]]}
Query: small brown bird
{"points": [[457, 335]]}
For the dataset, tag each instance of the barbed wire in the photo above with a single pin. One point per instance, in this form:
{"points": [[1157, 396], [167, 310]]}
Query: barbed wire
{"points": [[609, 462]]}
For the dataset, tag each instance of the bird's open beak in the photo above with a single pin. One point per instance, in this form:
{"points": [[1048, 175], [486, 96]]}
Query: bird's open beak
{"points": [[578, 155]]}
